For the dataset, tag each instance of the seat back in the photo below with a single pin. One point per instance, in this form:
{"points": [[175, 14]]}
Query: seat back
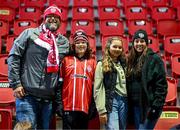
{"points": [[84, 24], [30, 13], [21, 25], [110, 12], [5, 119], [154, 3], [168, 28], [111, 27], [134, 25], [4, 28], [171, 45], [82, 12], [170, 117], [175, 64], [136, 13], [171, 97], [9, 43], [4, 66], [10, 3], [83, 3], [35, 3], [163, 13], [60, 3], [153, 43], [105, 3], [126, 3], [7, 14]]}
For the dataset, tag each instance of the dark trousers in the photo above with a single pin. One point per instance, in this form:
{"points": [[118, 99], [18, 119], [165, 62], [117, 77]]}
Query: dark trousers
{"points": [[75, 120]]}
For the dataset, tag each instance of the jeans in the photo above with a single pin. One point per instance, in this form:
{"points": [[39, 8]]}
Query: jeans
{"points": [[38, 113], [147, 124], [117, 119]]}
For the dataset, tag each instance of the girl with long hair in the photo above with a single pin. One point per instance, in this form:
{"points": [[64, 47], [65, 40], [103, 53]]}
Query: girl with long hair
{"points": [[110, 86]]}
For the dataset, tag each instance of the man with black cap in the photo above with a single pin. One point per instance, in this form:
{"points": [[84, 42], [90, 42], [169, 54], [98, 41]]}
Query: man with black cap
{"points": [[33, 66], [146, 83]]}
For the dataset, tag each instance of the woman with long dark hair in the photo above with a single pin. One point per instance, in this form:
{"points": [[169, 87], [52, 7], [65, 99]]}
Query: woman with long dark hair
{"points": [[146, 83]]}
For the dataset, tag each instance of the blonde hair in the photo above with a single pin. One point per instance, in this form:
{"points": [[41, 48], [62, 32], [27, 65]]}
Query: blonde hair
{"points": [[25, 125], [107, 63]]}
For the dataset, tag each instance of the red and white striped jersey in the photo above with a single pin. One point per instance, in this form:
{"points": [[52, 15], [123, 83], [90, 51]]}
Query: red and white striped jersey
{"points": [[78, 77]]}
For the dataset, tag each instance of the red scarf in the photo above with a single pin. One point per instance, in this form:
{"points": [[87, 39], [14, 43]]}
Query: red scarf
{"points": [[47, 40]]}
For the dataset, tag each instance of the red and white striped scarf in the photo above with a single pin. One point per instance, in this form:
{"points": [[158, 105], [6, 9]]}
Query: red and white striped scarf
{"points": [[47, 40]]}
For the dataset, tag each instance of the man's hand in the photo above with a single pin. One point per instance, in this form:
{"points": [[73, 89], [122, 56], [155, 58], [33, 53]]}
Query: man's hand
{"points": [[19, 92], [103, 118]]}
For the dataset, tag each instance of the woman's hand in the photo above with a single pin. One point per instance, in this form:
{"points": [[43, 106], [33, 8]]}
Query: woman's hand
{"points": [[103, 118]]}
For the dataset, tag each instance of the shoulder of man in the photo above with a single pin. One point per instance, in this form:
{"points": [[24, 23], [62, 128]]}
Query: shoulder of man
{"points": [[62, 40]]}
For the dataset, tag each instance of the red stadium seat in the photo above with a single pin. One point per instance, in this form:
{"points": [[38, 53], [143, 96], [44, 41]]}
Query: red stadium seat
{"points": [[168, 27], [5, 119], [4, 66], [175, 3], [94, 124], [154, 3], [62, 29], [7, 14], [60, 3], [105, 3], [84, 24], [163, 13], [82, 12], [35, 3], [7, 101], [124, 39], [21, 25], [153, 43], [171, 45], [171, 97], [135, 13], [0, 45], [106, 13], [83, 3], [4, 28], [170, 117], [178, 13], [175, 64], [134, 25], [126, 3], [64, 12], [10, 3], [9, 43], [111, 27], [6, 97], [30, 13]]}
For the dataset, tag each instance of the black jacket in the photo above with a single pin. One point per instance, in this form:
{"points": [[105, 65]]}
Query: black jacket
{"points": [[109, 82]]}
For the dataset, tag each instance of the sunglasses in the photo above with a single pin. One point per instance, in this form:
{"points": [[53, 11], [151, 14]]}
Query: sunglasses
{"points": [[139, 40]]}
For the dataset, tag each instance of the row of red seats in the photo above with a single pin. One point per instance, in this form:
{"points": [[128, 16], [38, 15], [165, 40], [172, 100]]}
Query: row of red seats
{"points": [[65, 3], [171, 49]]}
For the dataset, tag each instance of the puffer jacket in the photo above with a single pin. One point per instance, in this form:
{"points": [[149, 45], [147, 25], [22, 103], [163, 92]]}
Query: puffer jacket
{"points": [[154, 84], [27, 63]]}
